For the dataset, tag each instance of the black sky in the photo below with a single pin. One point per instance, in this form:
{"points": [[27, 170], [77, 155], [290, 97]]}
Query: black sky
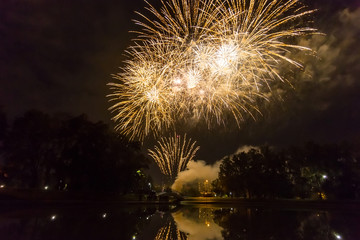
{"points": [[57, 56]]}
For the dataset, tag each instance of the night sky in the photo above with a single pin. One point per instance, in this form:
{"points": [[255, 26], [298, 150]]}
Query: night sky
{"points": [[57, 56]]}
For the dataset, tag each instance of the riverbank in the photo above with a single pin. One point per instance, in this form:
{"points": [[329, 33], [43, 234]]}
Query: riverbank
{"points": [[275, 203], [39, 198]]}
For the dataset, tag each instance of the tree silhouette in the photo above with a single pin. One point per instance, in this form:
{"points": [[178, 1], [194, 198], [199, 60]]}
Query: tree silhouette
{"points": [[322, 171], [70, 153], [30, 149]]}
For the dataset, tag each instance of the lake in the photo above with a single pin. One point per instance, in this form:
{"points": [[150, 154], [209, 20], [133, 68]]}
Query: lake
{"points": [[191, 221]]}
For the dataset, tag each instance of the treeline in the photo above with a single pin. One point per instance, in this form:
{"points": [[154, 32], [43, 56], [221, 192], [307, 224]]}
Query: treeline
{"points": [[313, 171], [68, 153]]}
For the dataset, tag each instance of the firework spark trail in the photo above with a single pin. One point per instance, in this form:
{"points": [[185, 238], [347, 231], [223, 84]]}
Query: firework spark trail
{"points": [[170, 232], [172, 154], [203, 60], [143, 103]]}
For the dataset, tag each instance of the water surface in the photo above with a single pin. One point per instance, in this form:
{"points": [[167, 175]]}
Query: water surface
{"points": [[199, 222]]}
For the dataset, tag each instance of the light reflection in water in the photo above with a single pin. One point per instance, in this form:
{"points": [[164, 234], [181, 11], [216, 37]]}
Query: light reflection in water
{"points": [[170, 232], [183, 222], [198, 223], [203, 223]]}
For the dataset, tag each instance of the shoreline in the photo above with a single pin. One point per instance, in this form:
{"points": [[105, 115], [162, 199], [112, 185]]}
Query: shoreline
{"points": [[217, 203], [23, 198]]}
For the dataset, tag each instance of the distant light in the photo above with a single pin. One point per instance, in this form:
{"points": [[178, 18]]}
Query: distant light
{"points": [[2, 185], [104, 215], [338, 236], [134, 237], [324, 176], [53, 217], [46, 187], [207, 180]]}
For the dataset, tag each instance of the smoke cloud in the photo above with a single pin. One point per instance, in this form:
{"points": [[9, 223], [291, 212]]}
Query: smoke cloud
{"points": [[200, 171], [246, 149], [325, 91], [337, 63], [197, 170]]}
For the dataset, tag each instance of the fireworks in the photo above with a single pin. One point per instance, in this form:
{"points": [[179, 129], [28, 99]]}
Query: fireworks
{"points": [[204, 59], [172, 154], [170, 232]]}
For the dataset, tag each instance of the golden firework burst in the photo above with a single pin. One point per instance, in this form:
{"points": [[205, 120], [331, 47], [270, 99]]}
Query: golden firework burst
{"points": [[204, 59]]}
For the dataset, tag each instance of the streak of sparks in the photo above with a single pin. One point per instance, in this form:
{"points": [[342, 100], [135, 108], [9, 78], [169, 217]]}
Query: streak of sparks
{"points": [[170, 232], [172, 154], [204, 59]]}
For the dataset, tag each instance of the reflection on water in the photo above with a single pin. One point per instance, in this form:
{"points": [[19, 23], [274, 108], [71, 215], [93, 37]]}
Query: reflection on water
{"points": [[169, 223], [170, 231], [183, 223], [198, 223]]}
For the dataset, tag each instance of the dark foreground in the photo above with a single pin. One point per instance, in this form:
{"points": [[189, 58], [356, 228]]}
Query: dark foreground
{"points": [[193, 218]]}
